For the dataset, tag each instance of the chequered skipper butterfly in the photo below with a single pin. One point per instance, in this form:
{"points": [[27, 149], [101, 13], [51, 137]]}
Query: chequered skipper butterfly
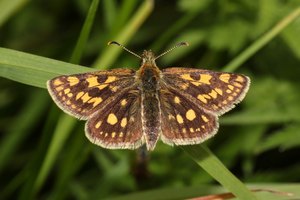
{"points": [[125, 109]]}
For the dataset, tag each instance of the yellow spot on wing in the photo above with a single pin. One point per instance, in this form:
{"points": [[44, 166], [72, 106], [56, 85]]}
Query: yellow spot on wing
{"points": [[179, 119], [98, 124], [114, 88], [205, 78], [228, 91], [110, 79], [176, 100], [206, 96], [190, 115], [240, 79], [92, 81], [225, 78], [196, 83], [124, 122], [121, 134], [66, 91], [73, 80], [113, 134], [191, 130], [70, 94], [95, 100], [102, 86], [85, 97], [215, 107], [219, 91], [230, 98], [187, 77], [123, 102], [237, 84], [204, 118], [184, 86], [230, 87], [59, 88], [112, 119], [79, 95], [201, 98], [213, 94], [57, 82]]}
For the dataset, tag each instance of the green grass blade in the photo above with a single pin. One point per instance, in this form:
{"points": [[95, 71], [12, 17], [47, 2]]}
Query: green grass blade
{"points": [[25, 121], [85, 32], [36, 159], [261, 42], [106, 59], [109, 12], [78, 151], [11, 6], [63, 129], [33, 70], [65, 123], [212, 165], [126, 9]]}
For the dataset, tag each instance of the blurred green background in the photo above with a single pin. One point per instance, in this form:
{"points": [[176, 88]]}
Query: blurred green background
{"points": [[45, 155]]}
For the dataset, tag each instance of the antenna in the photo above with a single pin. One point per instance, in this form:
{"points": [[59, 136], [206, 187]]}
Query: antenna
{"points": [[180, 44], [120, 45]]}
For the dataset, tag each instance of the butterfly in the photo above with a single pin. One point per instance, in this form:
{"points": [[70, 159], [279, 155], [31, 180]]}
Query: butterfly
{"points": [[125, 108]]}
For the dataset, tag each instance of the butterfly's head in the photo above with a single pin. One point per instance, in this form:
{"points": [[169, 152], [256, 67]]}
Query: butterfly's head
{"points": [[148, 57]]}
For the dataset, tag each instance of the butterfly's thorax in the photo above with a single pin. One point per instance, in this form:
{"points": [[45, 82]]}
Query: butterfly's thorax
{"points": [[148, 77]]}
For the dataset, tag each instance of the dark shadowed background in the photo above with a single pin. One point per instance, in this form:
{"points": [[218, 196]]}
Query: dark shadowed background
{"points": [[45, 155]]}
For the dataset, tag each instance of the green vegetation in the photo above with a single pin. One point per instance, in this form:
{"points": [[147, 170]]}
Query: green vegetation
{"points": [[44, 153]]}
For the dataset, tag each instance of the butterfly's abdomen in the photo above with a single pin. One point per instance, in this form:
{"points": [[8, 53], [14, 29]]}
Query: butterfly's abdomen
{"points": [[150, 107]]}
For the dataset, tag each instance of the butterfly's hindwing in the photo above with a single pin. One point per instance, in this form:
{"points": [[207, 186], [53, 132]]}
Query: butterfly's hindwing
{"points": [[216, 92], [81, 95], [183, 122], [119, 126]]}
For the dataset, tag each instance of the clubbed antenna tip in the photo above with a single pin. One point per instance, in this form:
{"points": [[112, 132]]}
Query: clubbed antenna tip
{"points": [[113, 42], [123, 47], [183, 44], [180, 44]]}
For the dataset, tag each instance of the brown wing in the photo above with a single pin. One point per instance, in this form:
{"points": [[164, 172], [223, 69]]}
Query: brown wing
{"points": [[119, 125], [215, 92], [184, 122], [81, 95]]}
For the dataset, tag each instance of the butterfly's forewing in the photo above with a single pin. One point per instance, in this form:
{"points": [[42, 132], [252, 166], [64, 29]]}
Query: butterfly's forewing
{"points": [[81, 95], [119, 126], [215, 92], [183, 122]]}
